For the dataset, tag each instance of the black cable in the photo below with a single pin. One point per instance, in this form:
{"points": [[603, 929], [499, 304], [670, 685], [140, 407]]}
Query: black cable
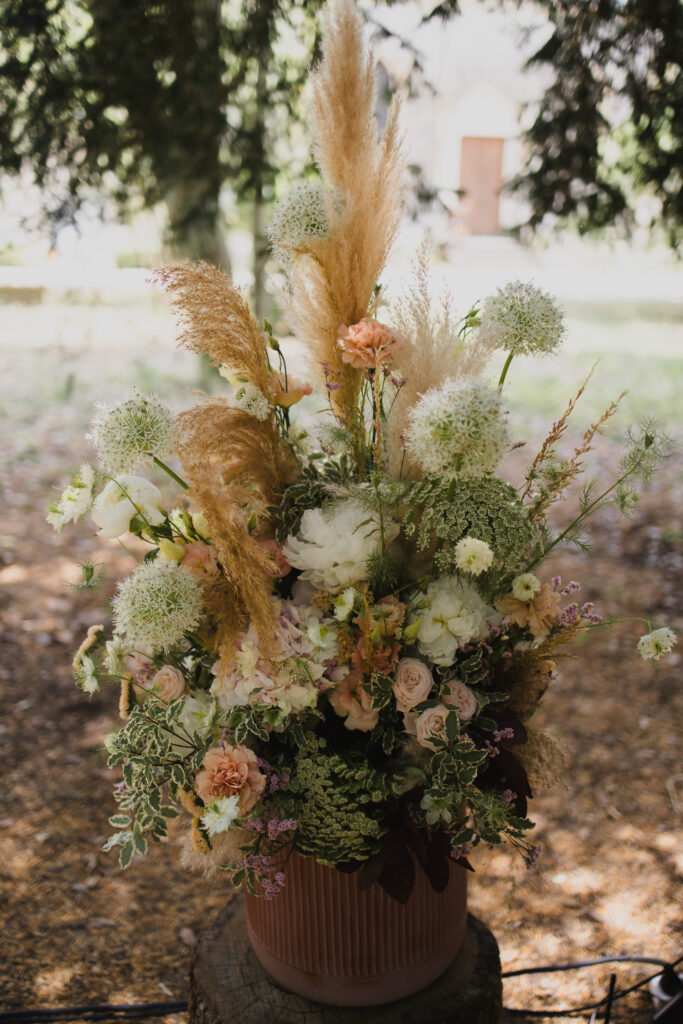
{"points": [[590, 1006], [551, 968], [102, 1011]]}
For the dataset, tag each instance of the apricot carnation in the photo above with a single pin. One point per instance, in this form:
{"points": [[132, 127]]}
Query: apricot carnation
{"points": [[367, 344], [539, 614], [230, 770], [352, 702]]}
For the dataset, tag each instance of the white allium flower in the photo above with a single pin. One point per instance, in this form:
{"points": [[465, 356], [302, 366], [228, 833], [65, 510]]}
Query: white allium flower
{"points": [[220, 814], [132, 431], [116, 652], [526, 586], [522, 319], [157, 605], [343, 605], [653, 645], [450, 613], [457, 429], [334, 543], [248, 398], [473, 556], [121, 500], [75, 501], [298, 217]]}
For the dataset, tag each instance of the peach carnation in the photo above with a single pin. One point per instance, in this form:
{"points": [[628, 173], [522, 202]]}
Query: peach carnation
{"points": [[460, 697], [367, 344], [351, 701], [431, 722], [228, 770], [386, 616], [413, 683], [375, 657], [539, 614]]}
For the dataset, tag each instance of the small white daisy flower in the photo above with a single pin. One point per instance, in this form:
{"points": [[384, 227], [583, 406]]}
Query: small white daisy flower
{"points": [[653, 645], [522, 320], [157, 605], [220, 814], [132, 431], [473, 556], [526, 586]]}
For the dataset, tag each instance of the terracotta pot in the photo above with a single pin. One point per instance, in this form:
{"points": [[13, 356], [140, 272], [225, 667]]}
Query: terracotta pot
{"points": [[325, 940]]}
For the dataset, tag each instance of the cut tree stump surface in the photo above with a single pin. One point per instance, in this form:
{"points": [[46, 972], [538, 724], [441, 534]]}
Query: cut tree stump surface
{"points": [[229, 986]]}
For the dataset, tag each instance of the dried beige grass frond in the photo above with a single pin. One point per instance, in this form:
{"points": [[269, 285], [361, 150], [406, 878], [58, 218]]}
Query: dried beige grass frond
{"points": [[432, 349], [332, 279], [530, 672], [543, 758], [226, 850], [235, 465], [215, 319]]}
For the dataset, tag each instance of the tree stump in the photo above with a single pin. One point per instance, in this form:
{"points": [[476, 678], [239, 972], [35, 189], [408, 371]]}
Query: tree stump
{"points": [[229, 986]]}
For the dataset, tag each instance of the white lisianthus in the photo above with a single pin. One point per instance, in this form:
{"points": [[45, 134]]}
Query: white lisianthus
{"points": [[132, 431], [121, 500], [75, 501], [197, 713], [334, 544], [457, 429], [343, 605], [525, 587], [473, 556], [248, 398], [323, 640], [450, 613], [522, 320], [157, 605], [653, 645], [220, 814]]}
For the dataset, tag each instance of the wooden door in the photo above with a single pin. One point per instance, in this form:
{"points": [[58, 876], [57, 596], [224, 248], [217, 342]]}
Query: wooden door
{"points": [[481, 179]]}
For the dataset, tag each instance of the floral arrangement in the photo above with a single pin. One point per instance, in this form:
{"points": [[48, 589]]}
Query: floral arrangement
{"points": [[341, 628]]}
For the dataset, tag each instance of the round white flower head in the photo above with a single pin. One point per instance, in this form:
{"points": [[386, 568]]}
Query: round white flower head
{"points": [[220, 814], [157, 605], [75, 501], [298, 217], [653, 645], [457, 429], [248, 398], [523, 320], [449, 613], [334, 544], [121, 500], [473, 556], [132, 431], [526, 586]]}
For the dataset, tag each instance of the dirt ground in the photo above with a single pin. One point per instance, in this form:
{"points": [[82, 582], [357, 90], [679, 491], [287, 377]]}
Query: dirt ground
{"points": [[76, 930]]}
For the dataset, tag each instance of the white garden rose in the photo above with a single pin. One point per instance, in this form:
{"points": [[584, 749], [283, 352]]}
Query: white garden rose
{"points": [[333, 545], [430, 723], [450, 613], [121, 500], [460, 697]]}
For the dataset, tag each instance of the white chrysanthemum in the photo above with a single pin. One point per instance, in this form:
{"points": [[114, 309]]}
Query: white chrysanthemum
{"points": [[248, 398], [473, 556], [132, 431], [449, 613], [343, 605], [75, 501], [457, 429], [116, 651], [220, 814], [157, 605], [522, 319], [657, 643], [334, 544], [300, 216], [122, 500], [526, 586]]}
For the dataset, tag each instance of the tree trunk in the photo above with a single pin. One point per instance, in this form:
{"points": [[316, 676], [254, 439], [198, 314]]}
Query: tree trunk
{"points": [[194, 223]]}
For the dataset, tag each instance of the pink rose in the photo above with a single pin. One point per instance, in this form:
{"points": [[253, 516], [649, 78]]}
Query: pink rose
{"points": [[461, 698], [167, 684], [201, 558], [431, 722], [366, 344], [228, 770], [413, 683], [351, 701]]}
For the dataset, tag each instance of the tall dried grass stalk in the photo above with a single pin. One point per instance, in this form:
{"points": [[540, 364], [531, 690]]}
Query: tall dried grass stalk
{"points": [[332, 279], [543, 758], [215, 320], [432, 350], [531, 671]]}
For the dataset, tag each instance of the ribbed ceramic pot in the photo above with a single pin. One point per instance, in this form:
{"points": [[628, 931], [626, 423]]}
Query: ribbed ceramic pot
{"points": [[325, 940]]}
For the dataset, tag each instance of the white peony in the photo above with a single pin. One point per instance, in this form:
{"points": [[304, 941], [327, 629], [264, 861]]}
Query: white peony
{"points": [[473, 556], [450, 613], [334, 544], [121, 500]]}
